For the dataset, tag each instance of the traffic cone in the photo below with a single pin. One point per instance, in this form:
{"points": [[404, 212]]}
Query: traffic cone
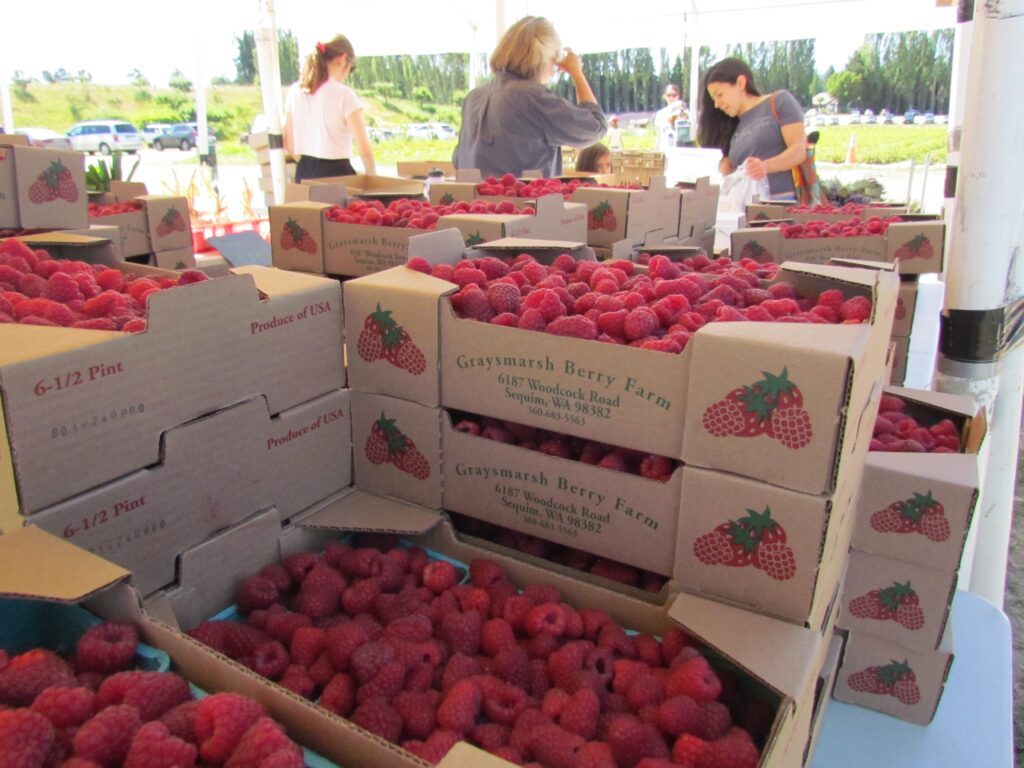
{"points": [[851, 150]]}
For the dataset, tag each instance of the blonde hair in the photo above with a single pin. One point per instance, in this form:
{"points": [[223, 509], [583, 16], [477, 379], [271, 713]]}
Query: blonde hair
{"points": [[527, 48], [314, 72]]}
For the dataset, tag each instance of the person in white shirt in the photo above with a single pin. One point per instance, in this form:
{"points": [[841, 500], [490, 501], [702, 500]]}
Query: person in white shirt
{"points": [[323, 115], [666, 117]]}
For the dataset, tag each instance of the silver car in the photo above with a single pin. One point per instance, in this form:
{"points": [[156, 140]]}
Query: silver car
{"points": [[104, 136]]}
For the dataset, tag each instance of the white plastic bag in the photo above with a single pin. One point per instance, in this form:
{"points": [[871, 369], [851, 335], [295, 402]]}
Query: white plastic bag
{"points": [[738, 190]]}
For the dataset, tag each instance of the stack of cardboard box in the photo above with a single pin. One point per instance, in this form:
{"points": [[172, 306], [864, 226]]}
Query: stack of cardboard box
{"points": [[41, 189], [260, 142], [914, 512]]}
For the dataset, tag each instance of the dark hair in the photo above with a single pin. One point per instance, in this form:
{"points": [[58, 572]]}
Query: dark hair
{"points": [[586, 160], [715, 128], [314, 72]]}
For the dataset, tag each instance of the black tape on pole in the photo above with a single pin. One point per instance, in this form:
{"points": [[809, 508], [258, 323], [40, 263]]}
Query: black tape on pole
{"points": [[950, 189], [275, 140], [981, 335]]}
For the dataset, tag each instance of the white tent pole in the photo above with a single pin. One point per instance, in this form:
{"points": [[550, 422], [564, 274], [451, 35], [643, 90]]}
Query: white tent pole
{"points": [[270, 86], [693, 39], [6, 112], [985, 272], [202, 139]]}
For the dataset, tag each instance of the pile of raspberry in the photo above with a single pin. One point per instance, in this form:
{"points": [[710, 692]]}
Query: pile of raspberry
{"points": [[854, 227], [898, 431], [36, 289], [93, 711], [563, 446], [395, 642], [97, 211], [660, 308], [412, 214], [509, 185], [601, 567]]}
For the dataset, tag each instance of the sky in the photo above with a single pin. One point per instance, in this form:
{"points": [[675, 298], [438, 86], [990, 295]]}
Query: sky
{"points": [[198, 36]]}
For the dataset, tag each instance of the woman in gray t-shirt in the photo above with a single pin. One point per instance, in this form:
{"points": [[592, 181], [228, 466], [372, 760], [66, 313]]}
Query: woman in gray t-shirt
{"points": [[737, 119]]}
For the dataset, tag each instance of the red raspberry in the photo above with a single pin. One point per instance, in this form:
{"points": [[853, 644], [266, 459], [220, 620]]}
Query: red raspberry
{"points": [[262, 743], [459, 667], [554, 702], [26, 738], [63, 288], [714, 720], [380, 718], [317, 602], [646, 690], [678, 715], [502, 703], [255, 593], [106, 647], [65, 707], [416, 628], [729, 752], [546, 618], [220, 721], [461, 706], [640, 323], [30, 673], [107, 737], [471, 303], [299, 564], [438, 745], [695, 678], [614, 571], [342, 640], [152, 693], [566, 663], [339, 695], [856, 309], [462, 632], [496, 635], [632, 740], [269, 659], [280, 626], [212, 634], [187, 277], [504, 297], [577, 326], [386, 684], [581, 712], [154, 747], [554, 746], [440, 576], [418, 710], [368, 659], [181, 721], [595, 754]]}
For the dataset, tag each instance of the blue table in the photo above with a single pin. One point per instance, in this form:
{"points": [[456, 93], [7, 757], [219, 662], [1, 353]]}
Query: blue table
{"points": [[973, 727]]}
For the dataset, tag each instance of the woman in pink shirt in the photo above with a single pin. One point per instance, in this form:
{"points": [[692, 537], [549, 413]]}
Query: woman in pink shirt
{"points": [[323, 115]]}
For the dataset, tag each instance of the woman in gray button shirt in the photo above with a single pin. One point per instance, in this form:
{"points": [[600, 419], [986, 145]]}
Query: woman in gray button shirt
{"points": [[514, 123]]}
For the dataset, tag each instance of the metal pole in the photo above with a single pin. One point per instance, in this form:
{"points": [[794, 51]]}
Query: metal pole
{"points": [[270, 86], [910, 181], [924, 178], [694, 41], [985, 270]]}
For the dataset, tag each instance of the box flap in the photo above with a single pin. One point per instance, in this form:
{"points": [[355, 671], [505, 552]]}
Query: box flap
{"points": [[40, 565], [964, 405], [530, 244], [13, 139], [126, 190], [784, 648], [361, 511], [64, 239], [465, 755]]}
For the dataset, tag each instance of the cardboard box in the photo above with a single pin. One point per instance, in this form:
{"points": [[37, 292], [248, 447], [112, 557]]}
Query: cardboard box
{"points": [[766, 548], [915, 484], [638, 398], [823, 692], [872, 668], [418, 169], [162, 224], [896, 600], [82, 407], [916, 247], [698, 207], [555, 219], [41, 188], [618, 213], [617, 515], [906, 304], [175, 259], [219, 469], [776, 211], [297, 236], [334, 189], [397, 448], [899, 359]]}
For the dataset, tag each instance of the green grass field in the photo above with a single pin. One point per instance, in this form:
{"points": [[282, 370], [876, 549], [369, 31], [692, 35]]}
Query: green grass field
{"points": [[231, 108]]}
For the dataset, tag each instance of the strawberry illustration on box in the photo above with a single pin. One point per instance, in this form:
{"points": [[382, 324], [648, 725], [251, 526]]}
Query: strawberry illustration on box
{"points": [[386, 443], [602, 217], [55, 183], [383, 338], [898, 603], [895, 679], [772, 406], [918, 247], [294, 236], [755, 539], [919, 514], [754, 250], [171, 221]]}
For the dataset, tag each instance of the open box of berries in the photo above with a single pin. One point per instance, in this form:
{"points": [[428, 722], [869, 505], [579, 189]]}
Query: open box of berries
{"points": [[822, 212]]}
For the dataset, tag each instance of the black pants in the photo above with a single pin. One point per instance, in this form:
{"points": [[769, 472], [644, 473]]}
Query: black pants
{"points": [[317, 168]]}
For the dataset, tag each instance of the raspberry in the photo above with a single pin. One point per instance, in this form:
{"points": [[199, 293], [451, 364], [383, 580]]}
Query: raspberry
{"points": [[566, 663], [181, 721], [546, 618], [154, 747], [440, 576], [857, 309], [523, 730], [386, 684], [504, 297], [269, 660], [438, 745], [136, 325], [360, 597], [580, 713], [672, 642], [342, 640], [471, 303], [695, 678], [255, 592], [554, 702], [554, 746], [577, 326], [646, 690], [461, 706], [459, 667], [151, 693], [502, 703], [63, 288], [496, 635], [65, 707], [462, 632], [299, 564], [640, 323], [380, 718], [107, 737], [678, 715], [32, 285], [339, 695], [280, 626], [317, 602], [418, 710], [714, 720], [263, 741], [631, 741], [26, 738], [30, 673], [729, 752], [490, 736], [106, 648], [368, 659], [220, 721], [595, 754], [212, 634], [613, 637]]}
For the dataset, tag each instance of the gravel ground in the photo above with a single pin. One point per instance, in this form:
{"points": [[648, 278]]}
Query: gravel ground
{"points": [[1014, 607]]}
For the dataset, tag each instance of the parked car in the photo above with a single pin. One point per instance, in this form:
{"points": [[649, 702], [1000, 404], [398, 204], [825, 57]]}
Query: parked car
{"points": [[152, 130], [909, 115], [44, 137], [184, 136], [855, 117], [430, 131], [104, 136], [443, 131], [929, 118]]}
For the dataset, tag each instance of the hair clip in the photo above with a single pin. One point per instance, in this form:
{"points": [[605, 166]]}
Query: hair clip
{"points": [[321, 48]]}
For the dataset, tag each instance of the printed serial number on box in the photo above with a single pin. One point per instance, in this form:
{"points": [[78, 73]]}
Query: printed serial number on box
{"points": [[97, 419]]}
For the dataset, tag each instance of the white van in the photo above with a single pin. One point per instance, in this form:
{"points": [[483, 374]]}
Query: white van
{"points": [[104, 136]]}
